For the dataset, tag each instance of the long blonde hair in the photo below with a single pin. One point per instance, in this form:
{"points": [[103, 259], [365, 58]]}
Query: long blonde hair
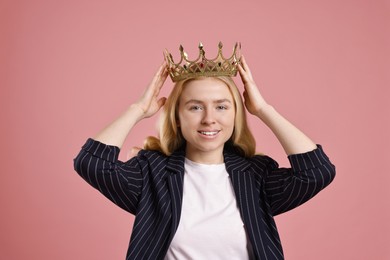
{"points": [[170, 137]]}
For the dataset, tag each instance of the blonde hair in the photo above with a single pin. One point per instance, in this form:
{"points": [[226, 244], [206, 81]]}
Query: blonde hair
{"points": [[170, 135]]}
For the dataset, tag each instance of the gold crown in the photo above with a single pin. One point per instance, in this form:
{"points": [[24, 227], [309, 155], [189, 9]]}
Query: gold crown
{"points": [[220, 66]]}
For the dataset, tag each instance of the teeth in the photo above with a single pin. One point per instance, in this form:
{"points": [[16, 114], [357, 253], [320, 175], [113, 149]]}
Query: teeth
{"points": [[209, 133]]}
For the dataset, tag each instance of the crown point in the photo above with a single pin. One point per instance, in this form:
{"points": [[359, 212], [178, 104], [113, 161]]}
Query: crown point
{"points": [[219, 66]]}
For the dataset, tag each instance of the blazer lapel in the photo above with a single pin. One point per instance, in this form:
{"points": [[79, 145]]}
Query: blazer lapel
{"points": [[247, 199], [175, 179]]}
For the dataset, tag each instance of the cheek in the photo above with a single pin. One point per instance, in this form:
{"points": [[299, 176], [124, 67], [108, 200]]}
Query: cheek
{"points": [[228, 120], [186, 121]]}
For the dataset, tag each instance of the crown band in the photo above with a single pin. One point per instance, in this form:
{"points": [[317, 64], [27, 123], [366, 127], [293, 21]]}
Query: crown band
{"points": [[203, 67]]}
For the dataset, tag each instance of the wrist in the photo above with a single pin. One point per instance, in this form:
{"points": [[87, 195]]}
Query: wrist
{"points": [[264, 110], [137, 111]]}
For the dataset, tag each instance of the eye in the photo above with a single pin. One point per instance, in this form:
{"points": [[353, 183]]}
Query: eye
{"points": [[222, 107], [195, 107]]}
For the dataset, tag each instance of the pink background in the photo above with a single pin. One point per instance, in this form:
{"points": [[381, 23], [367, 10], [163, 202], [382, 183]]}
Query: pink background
{"points": [[67, 68]]}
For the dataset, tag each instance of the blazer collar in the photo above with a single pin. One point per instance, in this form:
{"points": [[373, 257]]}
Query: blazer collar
{"points": [[176, 162], [232, 160]]}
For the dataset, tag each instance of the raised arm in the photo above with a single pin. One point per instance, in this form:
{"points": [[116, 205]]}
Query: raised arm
{"points": [[291, 138], [115, 133]]}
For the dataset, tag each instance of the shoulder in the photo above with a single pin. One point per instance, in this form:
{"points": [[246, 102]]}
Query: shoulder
{"points": [[263, 161], [147, 154], [149, 157], [256, 163], [156, 162]]}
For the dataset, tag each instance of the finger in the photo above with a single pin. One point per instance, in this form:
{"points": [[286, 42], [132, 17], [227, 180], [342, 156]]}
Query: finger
{"points": [[163, 71], [160, 69], [159, 72], [246, 67], [243, 74], [245, 95], [161, 102], [162, 79], [159, 79], [240, 68]]}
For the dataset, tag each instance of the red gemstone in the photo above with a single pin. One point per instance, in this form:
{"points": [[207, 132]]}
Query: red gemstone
{"points": [[201, 65]]}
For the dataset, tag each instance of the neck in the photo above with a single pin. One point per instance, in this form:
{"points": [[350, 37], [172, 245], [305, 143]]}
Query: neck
{"points": [[213, 157]]}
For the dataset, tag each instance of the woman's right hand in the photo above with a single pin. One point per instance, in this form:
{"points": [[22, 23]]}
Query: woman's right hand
{"points": [[150, 103], [116, 132]]}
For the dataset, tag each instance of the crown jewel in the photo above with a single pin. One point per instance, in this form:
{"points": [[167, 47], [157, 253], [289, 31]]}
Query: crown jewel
{"points": [[219, 66]]}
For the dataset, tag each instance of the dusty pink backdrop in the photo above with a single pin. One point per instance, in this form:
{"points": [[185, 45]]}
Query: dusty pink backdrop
{"points": [[68, 67]]}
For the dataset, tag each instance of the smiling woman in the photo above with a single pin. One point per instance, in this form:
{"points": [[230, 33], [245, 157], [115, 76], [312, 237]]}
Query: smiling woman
{"points": [[214, 102], [198, 191], [206, 119]]}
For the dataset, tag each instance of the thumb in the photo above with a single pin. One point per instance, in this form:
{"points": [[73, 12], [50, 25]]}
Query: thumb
{"points": [[161, 102]]}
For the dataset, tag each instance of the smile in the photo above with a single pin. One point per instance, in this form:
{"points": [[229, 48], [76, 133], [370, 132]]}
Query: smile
{"points": [[209, 133]]}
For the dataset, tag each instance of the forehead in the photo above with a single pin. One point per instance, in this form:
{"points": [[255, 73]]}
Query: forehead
{"points": [[206, 89]]}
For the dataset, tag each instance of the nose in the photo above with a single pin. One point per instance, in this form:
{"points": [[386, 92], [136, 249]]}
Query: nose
{"points": [[208, 117]]}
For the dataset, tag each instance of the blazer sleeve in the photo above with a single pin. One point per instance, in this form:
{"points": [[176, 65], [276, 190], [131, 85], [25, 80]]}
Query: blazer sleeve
{"points": [[287, 188], [98, 164]]}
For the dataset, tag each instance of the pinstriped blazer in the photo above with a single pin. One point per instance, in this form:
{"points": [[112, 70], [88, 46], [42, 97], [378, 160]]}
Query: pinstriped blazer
{"points": [[150, 186]]}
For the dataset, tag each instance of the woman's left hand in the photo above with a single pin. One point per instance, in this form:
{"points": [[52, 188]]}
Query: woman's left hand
{"points": [[254, 101], [291, 138]]}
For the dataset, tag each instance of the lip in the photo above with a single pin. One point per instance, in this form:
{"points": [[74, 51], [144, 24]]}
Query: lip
{"points": [[209, 133]]}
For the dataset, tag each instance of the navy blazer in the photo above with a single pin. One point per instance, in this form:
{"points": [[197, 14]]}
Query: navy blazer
{"points": [[150, 186]]}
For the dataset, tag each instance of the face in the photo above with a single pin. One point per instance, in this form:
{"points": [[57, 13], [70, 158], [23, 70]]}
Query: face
{"points": [[206, 119]]}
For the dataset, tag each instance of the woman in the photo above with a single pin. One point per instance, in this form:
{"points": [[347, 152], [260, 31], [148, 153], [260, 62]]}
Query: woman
{"points": [[199, 192]]}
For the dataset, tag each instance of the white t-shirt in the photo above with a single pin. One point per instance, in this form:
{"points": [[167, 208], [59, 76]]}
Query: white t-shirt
{"points": [[210, 225]]}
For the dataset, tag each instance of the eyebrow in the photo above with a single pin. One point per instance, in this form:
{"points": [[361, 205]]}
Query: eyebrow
{"points": [[218, 101]]}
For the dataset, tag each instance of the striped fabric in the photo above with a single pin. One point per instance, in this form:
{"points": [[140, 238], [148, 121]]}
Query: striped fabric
{"points": [[150, 186]]}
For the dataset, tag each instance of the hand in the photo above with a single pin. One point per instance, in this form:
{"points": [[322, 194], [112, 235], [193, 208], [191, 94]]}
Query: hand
{"points": [[149, 103], [253, 100], [290, 137]]}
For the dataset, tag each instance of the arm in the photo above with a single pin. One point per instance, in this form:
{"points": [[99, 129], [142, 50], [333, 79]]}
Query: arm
{"points": [[98, 163], [290, 137], [115, 133], [121, 183], [311, 170], [287, 188]]}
